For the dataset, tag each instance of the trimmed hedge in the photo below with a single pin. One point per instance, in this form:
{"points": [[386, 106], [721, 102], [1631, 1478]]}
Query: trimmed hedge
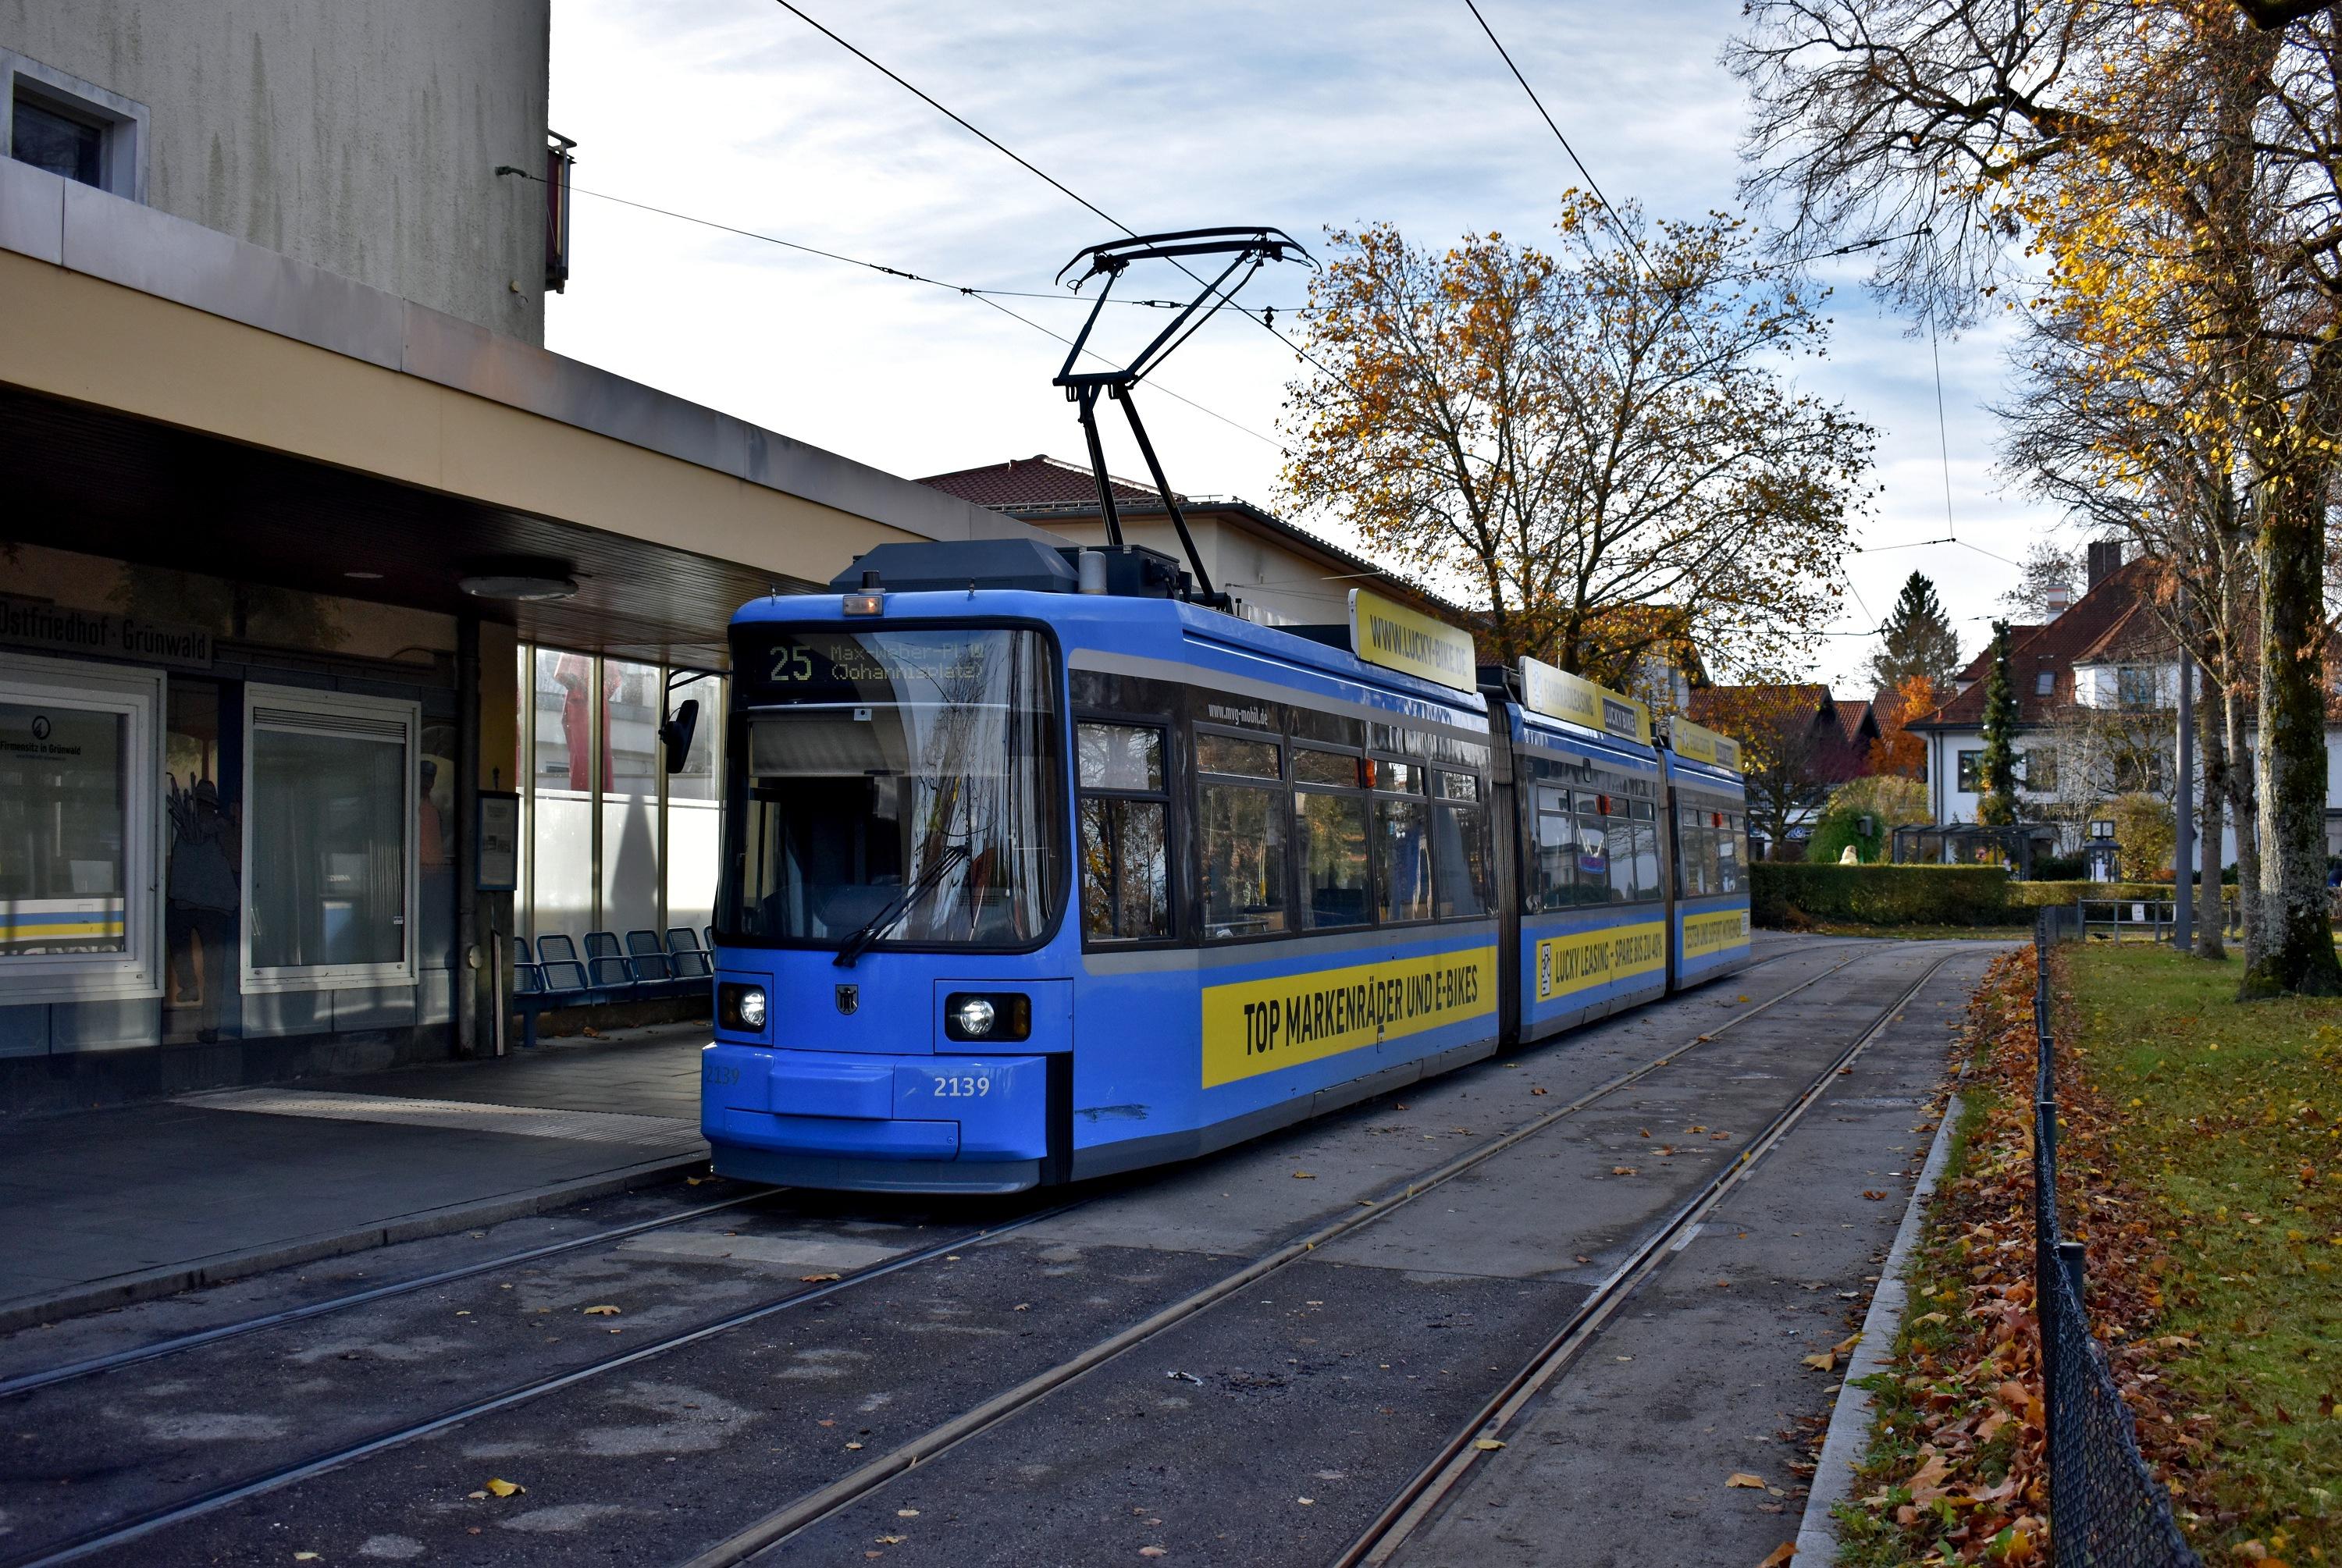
{"points": [[1787, 894], [2034, 895]]}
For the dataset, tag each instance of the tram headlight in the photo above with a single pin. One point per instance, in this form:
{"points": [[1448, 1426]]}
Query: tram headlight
{"points": [[994, 1016], [740, 1007]]}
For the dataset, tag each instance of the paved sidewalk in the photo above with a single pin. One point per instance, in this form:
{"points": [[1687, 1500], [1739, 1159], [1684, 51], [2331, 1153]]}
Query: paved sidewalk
{"points": [[105, 1207]]}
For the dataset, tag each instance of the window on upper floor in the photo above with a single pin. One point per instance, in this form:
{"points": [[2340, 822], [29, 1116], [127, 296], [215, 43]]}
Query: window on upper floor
{"points": [[2041, 772], [2135, 686], [72, 129], [1971, 773], [2045, 683]]}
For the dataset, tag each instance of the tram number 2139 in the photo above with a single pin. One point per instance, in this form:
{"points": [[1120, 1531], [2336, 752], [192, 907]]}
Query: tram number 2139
{"points": [[963, 1087]]}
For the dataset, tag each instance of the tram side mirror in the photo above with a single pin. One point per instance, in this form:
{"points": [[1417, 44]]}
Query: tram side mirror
{"points": [[677, 732]]}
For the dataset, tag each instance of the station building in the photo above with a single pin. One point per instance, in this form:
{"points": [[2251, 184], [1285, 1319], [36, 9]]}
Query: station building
{"points": [[337, 616]]}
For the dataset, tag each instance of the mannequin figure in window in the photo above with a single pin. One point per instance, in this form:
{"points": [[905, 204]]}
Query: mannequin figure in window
{"points": [[200, 900], [575, 673]]}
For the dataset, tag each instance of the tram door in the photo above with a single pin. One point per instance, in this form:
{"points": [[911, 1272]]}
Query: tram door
{"points": [[1671, 867], [1506, 850]]}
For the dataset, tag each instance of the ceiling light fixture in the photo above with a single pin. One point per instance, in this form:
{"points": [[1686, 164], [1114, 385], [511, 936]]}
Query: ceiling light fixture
{"points": [[519, 580]]}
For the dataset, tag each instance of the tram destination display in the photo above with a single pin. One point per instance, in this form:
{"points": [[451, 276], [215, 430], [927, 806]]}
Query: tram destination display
{"points": [[1383, 632], [1575, 700], [1702, 745]]}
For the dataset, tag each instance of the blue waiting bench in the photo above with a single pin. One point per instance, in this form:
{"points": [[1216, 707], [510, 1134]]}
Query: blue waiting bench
{"points": [[641, 968]]}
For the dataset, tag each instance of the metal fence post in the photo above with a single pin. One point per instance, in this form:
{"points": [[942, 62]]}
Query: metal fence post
{"points": [[2072, 1257]]}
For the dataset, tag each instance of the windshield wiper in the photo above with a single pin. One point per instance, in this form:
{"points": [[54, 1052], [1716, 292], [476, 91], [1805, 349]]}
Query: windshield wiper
{"points": [[925, 883]]}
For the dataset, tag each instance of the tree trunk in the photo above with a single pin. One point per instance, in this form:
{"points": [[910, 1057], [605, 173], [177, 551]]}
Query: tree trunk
{"points": [[2289, 765], [2210, 938], [2244, 809]]}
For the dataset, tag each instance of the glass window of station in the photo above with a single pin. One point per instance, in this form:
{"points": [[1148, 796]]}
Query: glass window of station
{"points": [[611, 841]]}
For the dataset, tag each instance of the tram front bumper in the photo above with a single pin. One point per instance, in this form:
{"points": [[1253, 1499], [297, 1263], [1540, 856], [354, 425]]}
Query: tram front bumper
{"points": [[831, 1119]]}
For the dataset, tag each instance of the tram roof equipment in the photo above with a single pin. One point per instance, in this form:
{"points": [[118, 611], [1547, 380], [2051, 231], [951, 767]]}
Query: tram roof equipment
{"points": [[1247, 250]]}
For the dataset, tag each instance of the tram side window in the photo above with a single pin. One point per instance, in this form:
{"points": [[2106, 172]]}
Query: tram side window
{"points": [[1555, 883], [1643, 823], [1333, 850], [1597, 847], [1626, 851], [1242, 827], [1124, 852], [1234, 755], [1727, 855], [1691, 828], [1460, 847], [1402, 844]]}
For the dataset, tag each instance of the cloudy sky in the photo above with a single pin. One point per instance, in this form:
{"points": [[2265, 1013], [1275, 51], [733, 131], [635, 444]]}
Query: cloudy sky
{"points": [[1166, 117]]}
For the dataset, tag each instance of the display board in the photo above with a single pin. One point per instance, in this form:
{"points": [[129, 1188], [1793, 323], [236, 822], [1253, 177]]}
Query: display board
{"points": [[1383, 632], [1573, 699]]}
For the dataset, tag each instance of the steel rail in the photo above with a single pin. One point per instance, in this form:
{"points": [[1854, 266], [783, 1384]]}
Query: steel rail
{"points": [[26, 1382], [77, 1547], [114, 1360], [111, 1535], [814, 1506], [1423, 1495]]}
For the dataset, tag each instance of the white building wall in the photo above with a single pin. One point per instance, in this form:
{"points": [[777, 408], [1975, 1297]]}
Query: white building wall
{"points": [[361, 138]]}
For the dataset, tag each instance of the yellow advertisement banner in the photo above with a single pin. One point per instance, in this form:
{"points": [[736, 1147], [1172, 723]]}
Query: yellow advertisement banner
{"points": [[1702, 745], [1704, 934], [1397, 638], [1585, 959], [1255, 1026], [1558, 695]]}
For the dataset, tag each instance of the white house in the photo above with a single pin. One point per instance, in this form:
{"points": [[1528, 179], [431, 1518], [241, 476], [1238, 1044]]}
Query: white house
{"points": [[2106, 657]]}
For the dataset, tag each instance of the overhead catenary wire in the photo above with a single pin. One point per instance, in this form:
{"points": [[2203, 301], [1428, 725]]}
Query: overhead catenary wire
{"points": [[1261, 319], [1618, 221], [990, 297], [1619, 227]]}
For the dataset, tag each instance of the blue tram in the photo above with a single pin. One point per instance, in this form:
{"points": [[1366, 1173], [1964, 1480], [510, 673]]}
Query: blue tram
{"points": [[1035, 870]]}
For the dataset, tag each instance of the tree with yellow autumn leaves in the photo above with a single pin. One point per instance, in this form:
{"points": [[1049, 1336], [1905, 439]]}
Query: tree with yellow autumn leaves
{"points": [[1598, 444], [2158, 177]]}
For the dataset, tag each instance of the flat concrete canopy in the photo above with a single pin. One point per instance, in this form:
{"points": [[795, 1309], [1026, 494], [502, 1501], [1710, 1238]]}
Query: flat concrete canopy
{"points": [[103, 482], [172, 396]]}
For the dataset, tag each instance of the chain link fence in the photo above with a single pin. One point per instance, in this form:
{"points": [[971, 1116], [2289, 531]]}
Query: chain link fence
{"points": [[2107, 1510]]}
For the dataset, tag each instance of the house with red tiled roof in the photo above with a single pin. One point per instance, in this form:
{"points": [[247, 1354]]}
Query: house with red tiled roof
{"points": [[1277, 573], [2106, 651], [2106, 665], [1801, 741]]}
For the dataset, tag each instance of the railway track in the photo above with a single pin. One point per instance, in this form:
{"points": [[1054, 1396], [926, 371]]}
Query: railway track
{"points": [[1451, 1469], [776, 1528], [177, 1345], [828, 1500]]}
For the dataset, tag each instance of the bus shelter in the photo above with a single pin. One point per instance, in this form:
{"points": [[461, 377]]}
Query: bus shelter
{"points": [[1974, 843]]}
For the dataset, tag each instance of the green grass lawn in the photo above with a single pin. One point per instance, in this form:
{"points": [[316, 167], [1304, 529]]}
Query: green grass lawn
{"points": [[2232, 1127]]}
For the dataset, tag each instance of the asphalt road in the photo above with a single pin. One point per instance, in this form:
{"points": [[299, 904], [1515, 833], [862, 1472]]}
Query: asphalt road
{"points": [[1271, 1425]]}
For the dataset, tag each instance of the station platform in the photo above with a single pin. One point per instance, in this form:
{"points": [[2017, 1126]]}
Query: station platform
{"points": [[101, 1208]]}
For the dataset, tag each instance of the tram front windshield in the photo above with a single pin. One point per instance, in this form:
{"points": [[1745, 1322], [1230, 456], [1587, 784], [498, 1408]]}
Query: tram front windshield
{"points": [[894, 787]]}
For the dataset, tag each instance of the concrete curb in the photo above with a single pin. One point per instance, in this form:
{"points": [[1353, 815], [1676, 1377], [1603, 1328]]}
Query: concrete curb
{"points": [[170, 1279], [1849, 1427]]}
